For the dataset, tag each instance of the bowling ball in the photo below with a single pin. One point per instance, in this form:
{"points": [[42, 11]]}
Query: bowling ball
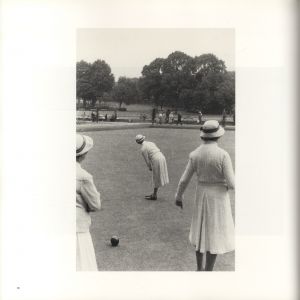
{"points": [[114, 241]]}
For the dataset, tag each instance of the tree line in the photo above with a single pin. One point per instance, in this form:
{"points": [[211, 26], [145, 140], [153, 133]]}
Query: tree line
{"points": [[178, 81]]}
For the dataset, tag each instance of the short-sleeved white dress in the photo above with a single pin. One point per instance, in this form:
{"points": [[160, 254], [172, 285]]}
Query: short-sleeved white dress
{"points": [[212, 227], [87, 200], [157, 161]]}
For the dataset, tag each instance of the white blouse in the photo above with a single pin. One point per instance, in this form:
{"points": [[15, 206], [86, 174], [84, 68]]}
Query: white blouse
{"points": [[212, 166], [87, 198], [148, 150]]}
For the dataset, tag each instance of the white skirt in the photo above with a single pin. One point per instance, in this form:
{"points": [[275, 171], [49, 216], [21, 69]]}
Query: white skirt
{"points": [[85, 253], [212, 227], [160, 175]]}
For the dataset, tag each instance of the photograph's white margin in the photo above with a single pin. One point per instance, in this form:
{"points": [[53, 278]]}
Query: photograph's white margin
{"points": [[38, 55]]}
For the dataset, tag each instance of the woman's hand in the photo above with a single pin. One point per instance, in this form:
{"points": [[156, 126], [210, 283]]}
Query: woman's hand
{"points": [[179, 203]]}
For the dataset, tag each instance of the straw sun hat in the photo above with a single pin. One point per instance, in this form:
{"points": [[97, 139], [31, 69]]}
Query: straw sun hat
{"points": [[83, 144], [139, 138], [211, 129]]}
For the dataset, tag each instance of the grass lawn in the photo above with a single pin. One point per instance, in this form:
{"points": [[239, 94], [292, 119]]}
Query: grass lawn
{"points": [[153, 234]]}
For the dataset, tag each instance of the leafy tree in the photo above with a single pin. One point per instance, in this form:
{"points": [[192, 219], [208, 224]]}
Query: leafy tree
{"points": [[163, 79], [194, 99], [176, 77], [150, 84], [82, 69], [176, 62], [199, 83], [126, 91], [186, 97], [209, 72], [205, 64], [92, 80], [84, 89], [107, 97], [225, 93], [101, 78]]}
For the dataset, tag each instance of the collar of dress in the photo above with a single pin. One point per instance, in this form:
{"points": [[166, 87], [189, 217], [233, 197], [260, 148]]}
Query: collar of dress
{"points": [[210, 143]]}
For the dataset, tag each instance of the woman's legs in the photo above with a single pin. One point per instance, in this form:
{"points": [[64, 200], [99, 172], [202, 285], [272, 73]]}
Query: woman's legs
{"points": [[152, 196], [199, 257], [210, 261], [155, 192]]}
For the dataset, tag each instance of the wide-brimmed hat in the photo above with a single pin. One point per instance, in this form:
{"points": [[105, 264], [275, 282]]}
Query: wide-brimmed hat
{"points": [[83, 144], [211, 129], [139, 138]]}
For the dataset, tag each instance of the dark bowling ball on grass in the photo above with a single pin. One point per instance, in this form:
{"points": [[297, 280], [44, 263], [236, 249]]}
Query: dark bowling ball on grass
{"points": [[114, 241]]}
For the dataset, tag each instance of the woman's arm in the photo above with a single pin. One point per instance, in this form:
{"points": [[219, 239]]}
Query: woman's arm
{"points": [[146, 158], [228, 171], [184, 181], [90, 194]]}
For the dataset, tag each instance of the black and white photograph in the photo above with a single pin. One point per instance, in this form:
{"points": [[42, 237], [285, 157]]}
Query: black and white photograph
{"points": [[184, 118], [151, 116]]}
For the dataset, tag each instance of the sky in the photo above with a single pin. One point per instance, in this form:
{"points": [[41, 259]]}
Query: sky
{"points": [[128, 50]]}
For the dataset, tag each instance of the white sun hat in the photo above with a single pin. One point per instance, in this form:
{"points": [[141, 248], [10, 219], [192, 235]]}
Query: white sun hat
{"points": [[84, 143], [211, 129], [139, 138]]}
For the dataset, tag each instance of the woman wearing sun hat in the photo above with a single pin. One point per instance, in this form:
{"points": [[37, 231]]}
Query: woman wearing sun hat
{"points": [[212, 228], [87, 200], [156, 162]]}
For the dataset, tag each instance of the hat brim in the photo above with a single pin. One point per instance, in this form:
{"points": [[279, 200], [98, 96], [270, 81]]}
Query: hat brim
{"points": [[88, 146], [216, 134]]}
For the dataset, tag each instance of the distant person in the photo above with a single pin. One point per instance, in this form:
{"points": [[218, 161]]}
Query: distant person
{"points": [[114, 116], [160, 117], [171, 117], [167, 116], [97, 115], [143, 116], [212, 228], [93, 117], [156, 162], [224, 118], [105, 117], [200, 117], [87, 200], [163, 116], [153, 115], [179, 119]]}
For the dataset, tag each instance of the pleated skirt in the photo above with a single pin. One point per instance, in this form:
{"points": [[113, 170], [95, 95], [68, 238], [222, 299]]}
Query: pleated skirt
{"points": [[212, 227], [85, 253], [160, 175]]}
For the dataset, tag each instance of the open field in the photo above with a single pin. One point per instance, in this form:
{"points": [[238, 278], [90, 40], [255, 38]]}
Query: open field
{"points": [[153, 234]]}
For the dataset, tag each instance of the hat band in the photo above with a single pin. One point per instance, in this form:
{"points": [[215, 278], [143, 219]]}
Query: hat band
{"points": [[82, 146], [212, 130], [142, 138]]}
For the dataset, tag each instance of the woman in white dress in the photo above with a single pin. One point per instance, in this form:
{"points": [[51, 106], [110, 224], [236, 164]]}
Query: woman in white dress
{"points": [[156, 162], [212, 228], [87, 200], [171, 116]]}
